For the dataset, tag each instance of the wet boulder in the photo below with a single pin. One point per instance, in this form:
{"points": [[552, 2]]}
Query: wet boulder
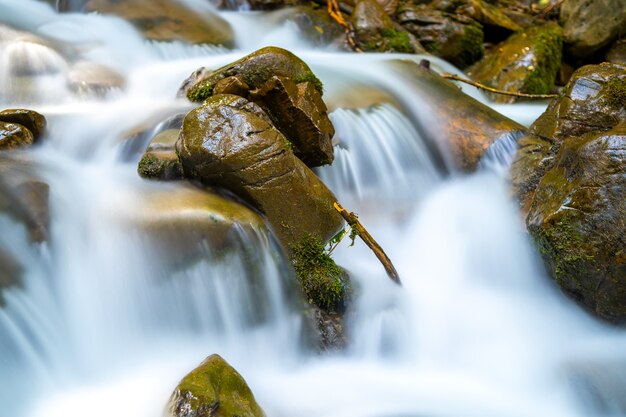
{"points": [[213, 389], [299, 112], [375, 31], [30, 119], [453, 37], [489, 15], [163, 20], [253, 69], [14, 136], [527, 62], [569, 176], [578, 220], [230, 142], [589, 25], [160, 160]]}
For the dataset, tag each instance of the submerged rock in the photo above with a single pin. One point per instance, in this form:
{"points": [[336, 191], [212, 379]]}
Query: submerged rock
{"points": [[30, 119], [589, 25], [569, 176], [527, 62], [160, 160], [213, 389], [254, 69], [230, 142], [91, 78], [163, 20], [375, 31], [455, 38]]}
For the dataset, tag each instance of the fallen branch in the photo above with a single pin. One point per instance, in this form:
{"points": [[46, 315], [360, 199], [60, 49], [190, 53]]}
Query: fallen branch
{"points": [[335, 12], [358, 228], [496, 91]]}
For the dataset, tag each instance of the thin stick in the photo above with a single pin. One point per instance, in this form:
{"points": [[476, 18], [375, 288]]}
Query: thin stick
{"points": [[335, 12], [493, 90], [354, 222]]}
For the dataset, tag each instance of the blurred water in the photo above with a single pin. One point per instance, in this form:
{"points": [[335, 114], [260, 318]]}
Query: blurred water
{"points": [[107, 320]]}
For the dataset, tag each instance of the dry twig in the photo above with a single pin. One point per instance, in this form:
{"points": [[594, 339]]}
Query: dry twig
{"points": [[335, 12], [496, 91], [356, 225]]}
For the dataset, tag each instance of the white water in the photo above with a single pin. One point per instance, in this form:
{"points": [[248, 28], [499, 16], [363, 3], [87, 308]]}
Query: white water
{"points": [[107, 322]]}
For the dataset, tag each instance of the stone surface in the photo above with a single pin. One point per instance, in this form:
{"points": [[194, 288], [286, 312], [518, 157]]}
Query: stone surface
{"points": [[231, 143], [87, 77], [578, 220], [14, 136], [160, 160], [254, 69], [527, 62], [164, 20], [299, 112], [375, 31], [213, 389], [589, 25], [617, 53], [488, 14], [30, 119], [455, 38]]}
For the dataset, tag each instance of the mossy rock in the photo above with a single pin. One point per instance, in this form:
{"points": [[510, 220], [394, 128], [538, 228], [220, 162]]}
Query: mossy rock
{"points": [[160, 161], [14, 136], [230, 142], [578, 220], [375, 31], [254, 69], [489, 15], [30, 119], [323, 283], [165, 20], [455, 38], [527, 62], [214, 389]]}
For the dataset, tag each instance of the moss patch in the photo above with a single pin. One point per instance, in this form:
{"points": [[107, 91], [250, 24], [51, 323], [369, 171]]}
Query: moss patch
{"points": [[615, 96], [200, 92], [311, 78], [397, 41], [322, 281]]}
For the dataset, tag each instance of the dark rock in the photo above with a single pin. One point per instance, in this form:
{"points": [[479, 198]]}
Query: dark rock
{"points": [[29, 119], [375, 31], [329, 328], [569, 176], [589, 25], [527, 62], [254, 4], [254, 69], [455, 38], [232, 85], [578, 220], [163, 20], [318, 27], [213, 389], [160, 160], [617, 53], [297, 110], [231, 143], [13, 136]]}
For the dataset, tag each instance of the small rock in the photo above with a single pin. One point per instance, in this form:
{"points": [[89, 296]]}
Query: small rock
{"points": [[30, 119], [213, 389], [160, 160], [13, 136], [88, 77]]}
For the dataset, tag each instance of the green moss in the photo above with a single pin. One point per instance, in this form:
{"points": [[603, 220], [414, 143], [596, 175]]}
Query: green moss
{"points": [[471, 45], [397, 41], [201, 92], [321, 279], [216, 389], [615, 95], [547, 48], [311, 78], [149, 166]]}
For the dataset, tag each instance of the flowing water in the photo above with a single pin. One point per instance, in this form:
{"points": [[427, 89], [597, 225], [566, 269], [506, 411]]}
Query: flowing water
{"points": [[107, 321]]}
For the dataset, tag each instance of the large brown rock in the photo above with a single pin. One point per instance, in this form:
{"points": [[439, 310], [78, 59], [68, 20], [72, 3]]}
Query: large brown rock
{"points": [[589, 25], [527, 62], [230, 142], [213, 389], [569, 176], [30, 119], [299, 112], [453, 37], [578, 220], [459, 127], [167, 20], [254, 69]]}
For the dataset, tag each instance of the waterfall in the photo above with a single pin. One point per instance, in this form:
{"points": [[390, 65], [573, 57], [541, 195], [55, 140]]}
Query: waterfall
{"points": [[117, 305]]}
